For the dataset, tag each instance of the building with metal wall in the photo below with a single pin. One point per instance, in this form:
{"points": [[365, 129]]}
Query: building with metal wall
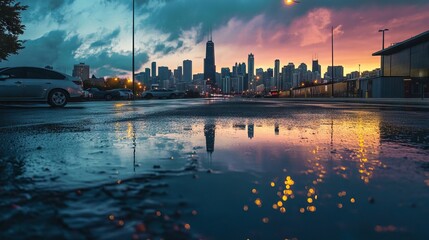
{"points": [[406, 69]]}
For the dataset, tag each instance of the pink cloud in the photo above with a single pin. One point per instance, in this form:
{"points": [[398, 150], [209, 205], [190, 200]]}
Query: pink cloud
{"points": [[311, 29], [356, 36]]}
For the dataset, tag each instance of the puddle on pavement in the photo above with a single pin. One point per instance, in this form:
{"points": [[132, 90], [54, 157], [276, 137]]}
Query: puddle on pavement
{"points": [[348, 175]]}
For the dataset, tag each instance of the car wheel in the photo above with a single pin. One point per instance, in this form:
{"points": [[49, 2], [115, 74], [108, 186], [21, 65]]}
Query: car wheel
{"points": [[148, 96], [58, 98], [108, 97]]}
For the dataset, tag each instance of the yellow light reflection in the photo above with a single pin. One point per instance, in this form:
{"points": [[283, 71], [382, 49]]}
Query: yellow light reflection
{"points": [[258, 202]]}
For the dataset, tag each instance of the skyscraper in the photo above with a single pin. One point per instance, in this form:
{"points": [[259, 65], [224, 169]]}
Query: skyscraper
{"points": [[81, 70], [316, 67], [209, 64], [338, 73], [187, 70], [277, 80], [251, 71], [287, 73], [147, 72], [178, 73], [302, 71], [153, 70], [164, 73]]}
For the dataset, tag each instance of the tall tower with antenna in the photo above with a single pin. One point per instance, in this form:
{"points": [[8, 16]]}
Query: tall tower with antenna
{"points": [[209, 62]]}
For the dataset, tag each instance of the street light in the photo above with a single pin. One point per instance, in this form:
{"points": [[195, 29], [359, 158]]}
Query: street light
{"points": [[383, 30], [134, 90], [290, 2], [382, 56]]}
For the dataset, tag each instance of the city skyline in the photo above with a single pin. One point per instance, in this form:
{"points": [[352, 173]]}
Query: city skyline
{"points": [[58, 33]]}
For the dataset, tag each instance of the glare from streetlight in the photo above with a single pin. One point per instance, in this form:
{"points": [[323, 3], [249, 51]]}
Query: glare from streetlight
{"points": [[290, 2]]}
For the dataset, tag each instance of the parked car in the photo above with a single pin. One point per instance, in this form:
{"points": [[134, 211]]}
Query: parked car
{"points": [[162, 93], [87, 95], [126, 93], [34, 84], [105, 95], [272, 94]]}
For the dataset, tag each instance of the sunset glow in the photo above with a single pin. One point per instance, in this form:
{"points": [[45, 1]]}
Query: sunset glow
{"points": [[80, 31]]}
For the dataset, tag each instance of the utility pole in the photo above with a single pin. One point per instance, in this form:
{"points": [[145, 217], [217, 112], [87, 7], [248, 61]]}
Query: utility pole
{"points": [[332, 70], [134, 90], [382, 47]]}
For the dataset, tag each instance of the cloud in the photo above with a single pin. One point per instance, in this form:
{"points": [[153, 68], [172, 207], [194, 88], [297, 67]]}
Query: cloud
{"points": [[173, 30], [57, 49], [106, 40], [311, 28], [54, 48]]}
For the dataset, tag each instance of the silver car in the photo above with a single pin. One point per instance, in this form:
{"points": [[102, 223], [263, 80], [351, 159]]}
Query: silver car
{"points": [[162, 93], [38, 84]]}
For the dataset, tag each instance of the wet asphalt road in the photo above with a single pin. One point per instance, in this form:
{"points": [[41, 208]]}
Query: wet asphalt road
{"points": [[150, 169]]}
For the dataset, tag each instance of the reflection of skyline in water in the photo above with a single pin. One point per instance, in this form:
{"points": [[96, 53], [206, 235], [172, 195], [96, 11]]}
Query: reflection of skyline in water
{"points": [[301, 167], [305, 170], [209, 133]]}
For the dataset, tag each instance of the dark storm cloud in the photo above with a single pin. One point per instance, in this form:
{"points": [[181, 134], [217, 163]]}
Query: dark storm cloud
{"points": [[51, 49], [177, 15], [58, 50], [39, 9], [107, 39], [122, 61]]}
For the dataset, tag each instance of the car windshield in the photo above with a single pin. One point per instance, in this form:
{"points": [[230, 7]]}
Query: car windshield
{"points": [[1, 69]]}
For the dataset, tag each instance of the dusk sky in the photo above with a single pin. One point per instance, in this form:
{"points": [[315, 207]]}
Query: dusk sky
{"points": [[61, 33]]}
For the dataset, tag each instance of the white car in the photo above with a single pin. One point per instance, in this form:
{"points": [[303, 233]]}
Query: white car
{"points": [[162, 93], [126, 93], [38, 84]]}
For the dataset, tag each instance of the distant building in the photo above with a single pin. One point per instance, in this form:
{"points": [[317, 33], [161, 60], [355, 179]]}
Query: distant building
{"points": [[302, 71], [287, 77], [81, 70], [237, 84], [178, 74], [268, 78], [187, 70], [316, 66], [241, 70], [353, 75], [251, 71], [209, 64], [226, 84], [154, 70], [163, 73], [338, 73], [144, 77], [198, 77], [225, 72], [277, 80], [147, 80]]}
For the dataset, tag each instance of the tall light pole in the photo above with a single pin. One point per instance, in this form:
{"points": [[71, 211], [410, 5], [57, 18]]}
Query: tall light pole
{"points": [[382, 45], [382, 31], [134, 90], [332, 70]]}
